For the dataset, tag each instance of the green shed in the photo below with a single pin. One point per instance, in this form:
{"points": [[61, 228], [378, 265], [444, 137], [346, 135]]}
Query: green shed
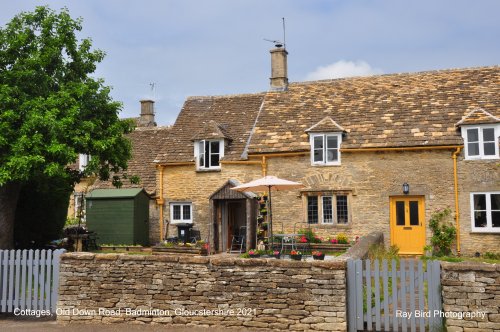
{"points": [[119, 216]]}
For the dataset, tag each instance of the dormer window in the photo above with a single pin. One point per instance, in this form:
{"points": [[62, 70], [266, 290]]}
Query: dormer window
{"points": [[208, 154], [481, 141], [325, 148]]}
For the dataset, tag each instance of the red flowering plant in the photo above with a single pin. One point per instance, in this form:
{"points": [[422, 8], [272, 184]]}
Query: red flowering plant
{"points": [[252, 252], [295, 253], [317, 253], [303, 239], [334, 241]]}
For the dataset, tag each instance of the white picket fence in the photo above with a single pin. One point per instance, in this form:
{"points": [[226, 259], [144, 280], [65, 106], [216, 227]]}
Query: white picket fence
{"points": [[29, 279]]}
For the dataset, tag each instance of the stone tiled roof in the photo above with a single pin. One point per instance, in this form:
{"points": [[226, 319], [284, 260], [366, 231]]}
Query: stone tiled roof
{"points": [[327, 124], [146, 144], [415, 109], [211, 130], [478, 116], [233, 116]]}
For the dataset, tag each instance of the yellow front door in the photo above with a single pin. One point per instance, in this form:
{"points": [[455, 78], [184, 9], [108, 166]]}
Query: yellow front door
{"points": [[408, 224]]}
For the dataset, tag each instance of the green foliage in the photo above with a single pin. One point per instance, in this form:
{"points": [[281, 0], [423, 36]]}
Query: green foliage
{"points": [[41, 211], [310, 235], [443, 232], [378, 251], [51, 108], [71, 222], [492, 255], [342, 238]]}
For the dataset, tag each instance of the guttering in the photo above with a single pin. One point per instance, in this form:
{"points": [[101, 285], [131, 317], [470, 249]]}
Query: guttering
{"points": [[160, 201], [455, 180], [409, 148]]}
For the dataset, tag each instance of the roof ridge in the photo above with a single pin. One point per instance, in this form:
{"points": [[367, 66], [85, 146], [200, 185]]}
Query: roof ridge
{"points": [[208, 97], [426, 72]]}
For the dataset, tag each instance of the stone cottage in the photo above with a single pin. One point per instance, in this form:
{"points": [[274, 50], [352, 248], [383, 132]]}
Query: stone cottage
{"points": [[374, 153], [146, 141]]}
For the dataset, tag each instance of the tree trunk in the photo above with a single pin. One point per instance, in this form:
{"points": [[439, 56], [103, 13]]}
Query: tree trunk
{"points": [[9, 194]]}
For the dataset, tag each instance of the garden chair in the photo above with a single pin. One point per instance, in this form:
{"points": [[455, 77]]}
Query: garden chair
{"points": [[238, 241], [195, 236]]}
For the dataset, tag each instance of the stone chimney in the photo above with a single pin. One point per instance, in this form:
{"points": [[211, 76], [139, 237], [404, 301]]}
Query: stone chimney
{"points": [[147, 118], [279, 71]]}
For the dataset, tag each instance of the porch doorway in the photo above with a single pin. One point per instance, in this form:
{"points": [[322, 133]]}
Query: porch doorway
{"points": [[407, 218], [231, 216], [232, 210]]}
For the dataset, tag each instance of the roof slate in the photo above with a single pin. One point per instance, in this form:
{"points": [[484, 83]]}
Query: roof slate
{"points": [[478, 116], [414, 109], [235, 114], [211, 130], [396, 110], [327, 124], [146, 142]]}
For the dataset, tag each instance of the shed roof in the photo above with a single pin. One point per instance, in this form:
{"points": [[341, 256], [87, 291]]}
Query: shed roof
{"points": [[114, 193]]}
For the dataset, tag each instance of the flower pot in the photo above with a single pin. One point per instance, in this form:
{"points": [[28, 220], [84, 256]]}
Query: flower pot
{"points": [[296, 257], [254, 255], [277, 256], [319, 257]]}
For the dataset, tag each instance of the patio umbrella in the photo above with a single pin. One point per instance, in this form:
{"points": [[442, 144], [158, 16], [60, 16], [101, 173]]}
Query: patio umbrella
{"points": [[268, 183]]}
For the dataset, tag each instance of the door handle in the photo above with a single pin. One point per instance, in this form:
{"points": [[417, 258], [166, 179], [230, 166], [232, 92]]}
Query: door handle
{"points": [[407, 228]]}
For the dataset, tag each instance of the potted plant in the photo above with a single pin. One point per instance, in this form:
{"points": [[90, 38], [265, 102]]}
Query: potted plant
{"points": [[253, 253], [318, 255], [260, 219], [263, 212], [204, 249], [264, 226], [296, 255], [342, 239], [276, 254]]}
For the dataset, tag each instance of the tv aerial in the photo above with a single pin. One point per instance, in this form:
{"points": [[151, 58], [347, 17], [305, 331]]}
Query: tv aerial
{"points": [[278, 43]]}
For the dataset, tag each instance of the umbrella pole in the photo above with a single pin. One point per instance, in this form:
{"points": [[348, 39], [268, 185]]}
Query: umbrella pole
{"points": [[271, 220]]}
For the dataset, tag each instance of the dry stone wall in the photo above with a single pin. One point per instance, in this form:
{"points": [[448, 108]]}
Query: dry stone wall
{"points": [[203, 291], [471, 288]]}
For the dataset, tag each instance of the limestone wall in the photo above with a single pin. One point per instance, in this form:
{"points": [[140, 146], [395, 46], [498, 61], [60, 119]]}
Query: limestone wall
{"points": [[369, 178], [472, 287], [257, 293]]}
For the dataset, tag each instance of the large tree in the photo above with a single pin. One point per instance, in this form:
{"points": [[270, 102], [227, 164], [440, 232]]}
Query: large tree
{"points": [[52, 108]]}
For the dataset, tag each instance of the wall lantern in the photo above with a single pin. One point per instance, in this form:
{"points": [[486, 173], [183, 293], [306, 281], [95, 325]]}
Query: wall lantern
{"points": [[406, 188]]}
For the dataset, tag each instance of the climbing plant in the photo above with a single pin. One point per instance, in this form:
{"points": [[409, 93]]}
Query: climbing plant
{"points": [[443, 232]]}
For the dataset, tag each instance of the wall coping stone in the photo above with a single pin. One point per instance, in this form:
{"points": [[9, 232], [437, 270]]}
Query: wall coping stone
{"points": [[214, 260], [467, 266], [78, 256], [360, 249]]}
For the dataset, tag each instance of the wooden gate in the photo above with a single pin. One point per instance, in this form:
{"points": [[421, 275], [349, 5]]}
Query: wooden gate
{"points": [[29, 279], [394, 296]]}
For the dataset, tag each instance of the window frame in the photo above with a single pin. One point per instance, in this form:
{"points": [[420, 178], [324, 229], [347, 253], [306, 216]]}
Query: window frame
{"points": [[334, 208], [325, 149], [197, 154], [181, 220], [481, 142], [489, 215]]}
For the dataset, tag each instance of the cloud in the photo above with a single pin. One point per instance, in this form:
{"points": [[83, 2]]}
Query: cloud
{"points": [[343, 69]]}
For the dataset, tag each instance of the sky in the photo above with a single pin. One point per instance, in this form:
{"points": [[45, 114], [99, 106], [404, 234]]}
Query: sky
{"points": [[217, 47]]}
